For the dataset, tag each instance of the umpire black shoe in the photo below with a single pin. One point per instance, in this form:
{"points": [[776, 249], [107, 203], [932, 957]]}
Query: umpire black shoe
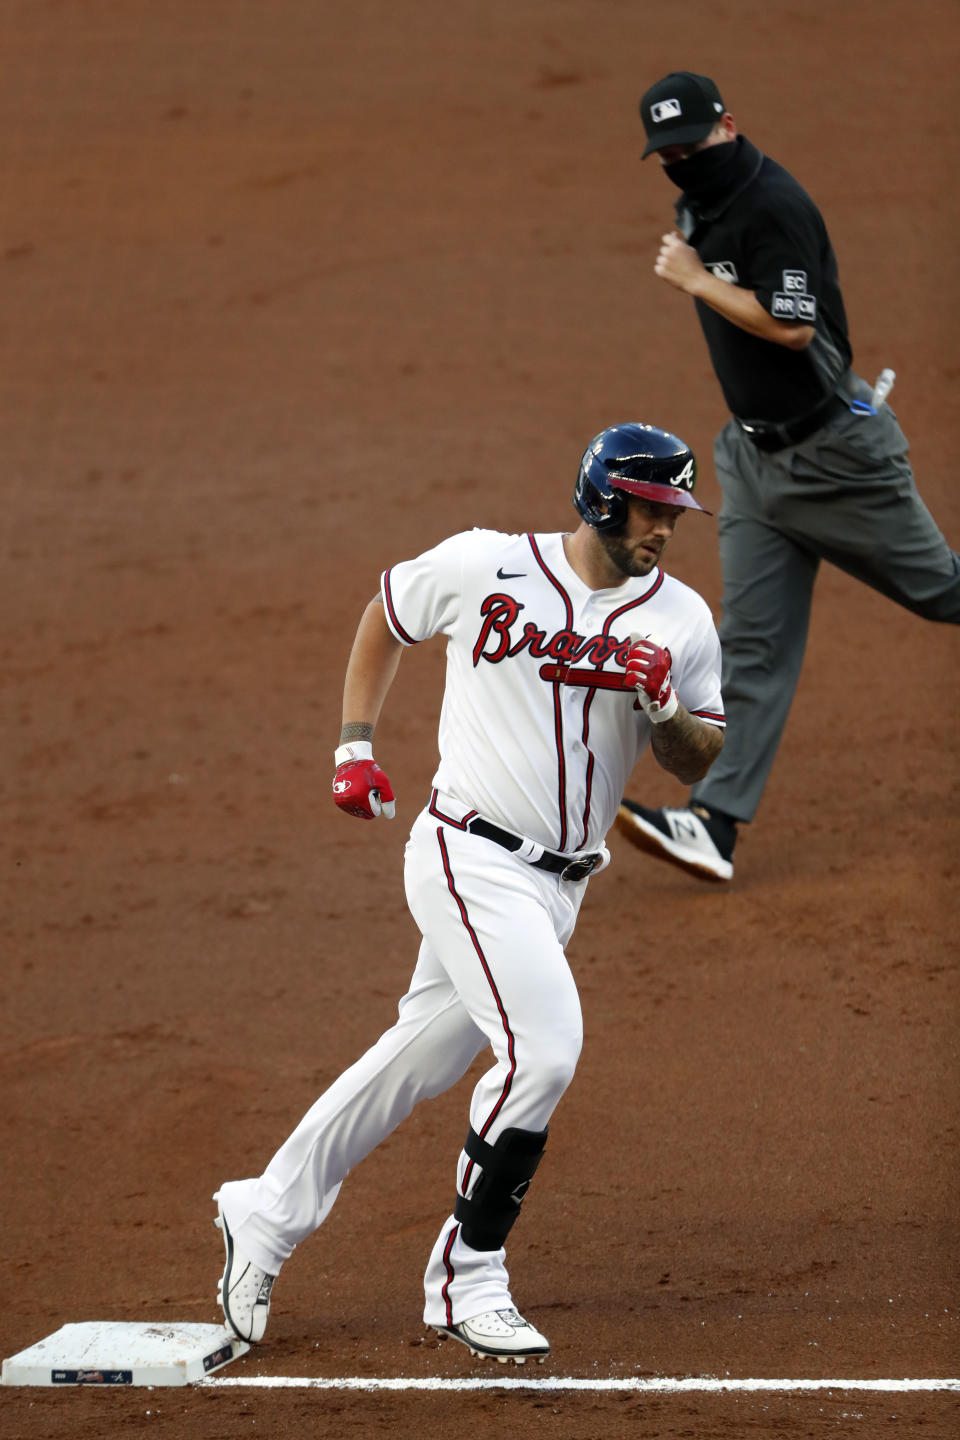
{"points": [[499, 1335], [697, 841]]}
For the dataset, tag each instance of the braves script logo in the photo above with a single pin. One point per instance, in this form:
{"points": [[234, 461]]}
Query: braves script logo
{"points": [[498, 641]]}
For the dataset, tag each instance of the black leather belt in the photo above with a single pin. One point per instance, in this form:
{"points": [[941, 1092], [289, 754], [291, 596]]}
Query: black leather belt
{"points": [[770, 435], [560, 865]]}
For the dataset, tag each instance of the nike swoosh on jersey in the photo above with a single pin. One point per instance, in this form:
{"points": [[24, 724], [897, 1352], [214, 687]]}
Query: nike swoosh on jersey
{"points": [[518, 575]]}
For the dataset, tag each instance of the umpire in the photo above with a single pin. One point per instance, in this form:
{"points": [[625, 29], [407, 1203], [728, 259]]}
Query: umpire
{"points": [[812, 465]]}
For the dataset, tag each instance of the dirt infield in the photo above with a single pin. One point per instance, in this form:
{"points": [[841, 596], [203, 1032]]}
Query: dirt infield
{"points": [[291, 291]]}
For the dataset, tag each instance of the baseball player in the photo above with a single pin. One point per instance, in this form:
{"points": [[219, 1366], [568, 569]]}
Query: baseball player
{"points": [[567, 655]]}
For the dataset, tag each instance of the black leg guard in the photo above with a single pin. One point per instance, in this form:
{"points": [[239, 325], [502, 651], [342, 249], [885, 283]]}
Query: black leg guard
{"points": [[508, 1167]]}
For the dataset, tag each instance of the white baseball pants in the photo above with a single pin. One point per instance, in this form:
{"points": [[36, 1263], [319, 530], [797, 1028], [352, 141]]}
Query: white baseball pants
{"points": [[491, 972]]}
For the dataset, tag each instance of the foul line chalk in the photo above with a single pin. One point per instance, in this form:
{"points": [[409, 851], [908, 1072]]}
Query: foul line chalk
{"points": [[688, 1385]]}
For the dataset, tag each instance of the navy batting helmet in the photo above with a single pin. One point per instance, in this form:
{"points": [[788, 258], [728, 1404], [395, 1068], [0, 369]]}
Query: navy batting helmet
{"points": [[633, 459]]}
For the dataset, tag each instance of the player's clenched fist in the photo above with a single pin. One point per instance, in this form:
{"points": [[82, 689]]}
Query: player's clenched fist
{"points": [[359, 786], [648, 672]]}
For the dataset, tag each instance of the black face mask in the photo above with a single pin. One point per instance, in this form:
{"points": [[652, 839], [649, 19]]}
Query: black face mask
{"points": [[707, 174]]}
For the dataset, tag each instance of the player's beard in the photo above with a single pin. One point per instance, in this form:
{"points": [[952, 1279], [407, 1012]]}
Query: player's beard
{"points": [[627, 555]]}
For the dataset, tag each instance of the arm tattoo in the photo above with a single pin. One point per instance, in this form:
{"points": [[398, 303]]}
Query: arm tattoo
{"points": [[686, 746]]}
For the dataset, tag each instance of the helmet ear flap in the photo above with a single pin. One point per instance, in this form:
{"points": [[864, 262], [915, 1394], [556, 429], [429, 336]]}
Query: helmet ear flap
{"points": [[598, 501]]}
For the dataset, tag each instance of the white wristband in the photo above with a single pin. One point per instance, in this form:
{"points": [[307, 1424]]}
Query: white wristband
{"points": [[356, 750], [659, 713]]}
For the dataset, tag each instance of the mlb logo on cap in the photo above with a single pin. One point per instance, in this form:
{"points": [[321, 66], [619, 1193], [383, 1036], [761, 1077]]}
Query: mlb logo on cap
{"points": [[681, 109], [665, 110]]}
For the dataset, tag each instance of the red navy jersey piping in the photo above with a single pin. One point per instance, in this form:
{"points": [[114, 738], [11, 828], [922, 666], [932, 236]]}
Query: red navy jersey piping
{"points": [[398, 629]]}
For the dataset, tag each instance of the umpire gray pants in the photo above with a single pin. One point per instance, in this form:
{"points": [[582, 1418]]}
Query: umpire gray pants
{"points": [[846, 495]]}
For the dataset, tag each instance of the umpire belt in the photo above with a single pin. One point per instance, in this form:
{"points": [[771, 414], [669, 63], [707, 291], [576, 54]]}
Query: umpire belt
{"points": [[770, 435], [561, 865]]}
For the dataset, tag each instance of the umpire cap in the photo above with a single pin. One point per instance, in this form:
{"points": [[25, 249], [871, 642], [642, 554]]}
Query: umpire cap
{"points": [[681, 109]]}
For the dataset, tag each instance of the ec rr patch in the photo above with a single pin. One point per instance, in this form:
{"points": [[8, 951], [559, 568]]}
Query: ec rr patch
{"points": [[793, 302]]}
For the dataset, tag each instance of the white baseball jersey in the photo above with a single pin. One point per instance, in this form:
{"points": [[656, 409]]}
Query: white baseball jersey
{"points": [[536, 732]]}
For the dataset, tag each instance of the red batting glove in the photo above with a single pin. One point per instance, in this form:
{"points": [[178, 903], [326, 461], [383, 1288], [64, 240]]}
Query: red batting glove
{"points": [[648, 672], [360, 786]]}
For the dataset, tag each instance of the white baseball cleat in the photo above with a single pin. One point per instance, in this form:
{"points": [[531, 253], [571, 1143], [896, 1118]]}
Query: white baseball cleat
{"points": [[499, 1335], [702, 847], [244, 1290]]}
